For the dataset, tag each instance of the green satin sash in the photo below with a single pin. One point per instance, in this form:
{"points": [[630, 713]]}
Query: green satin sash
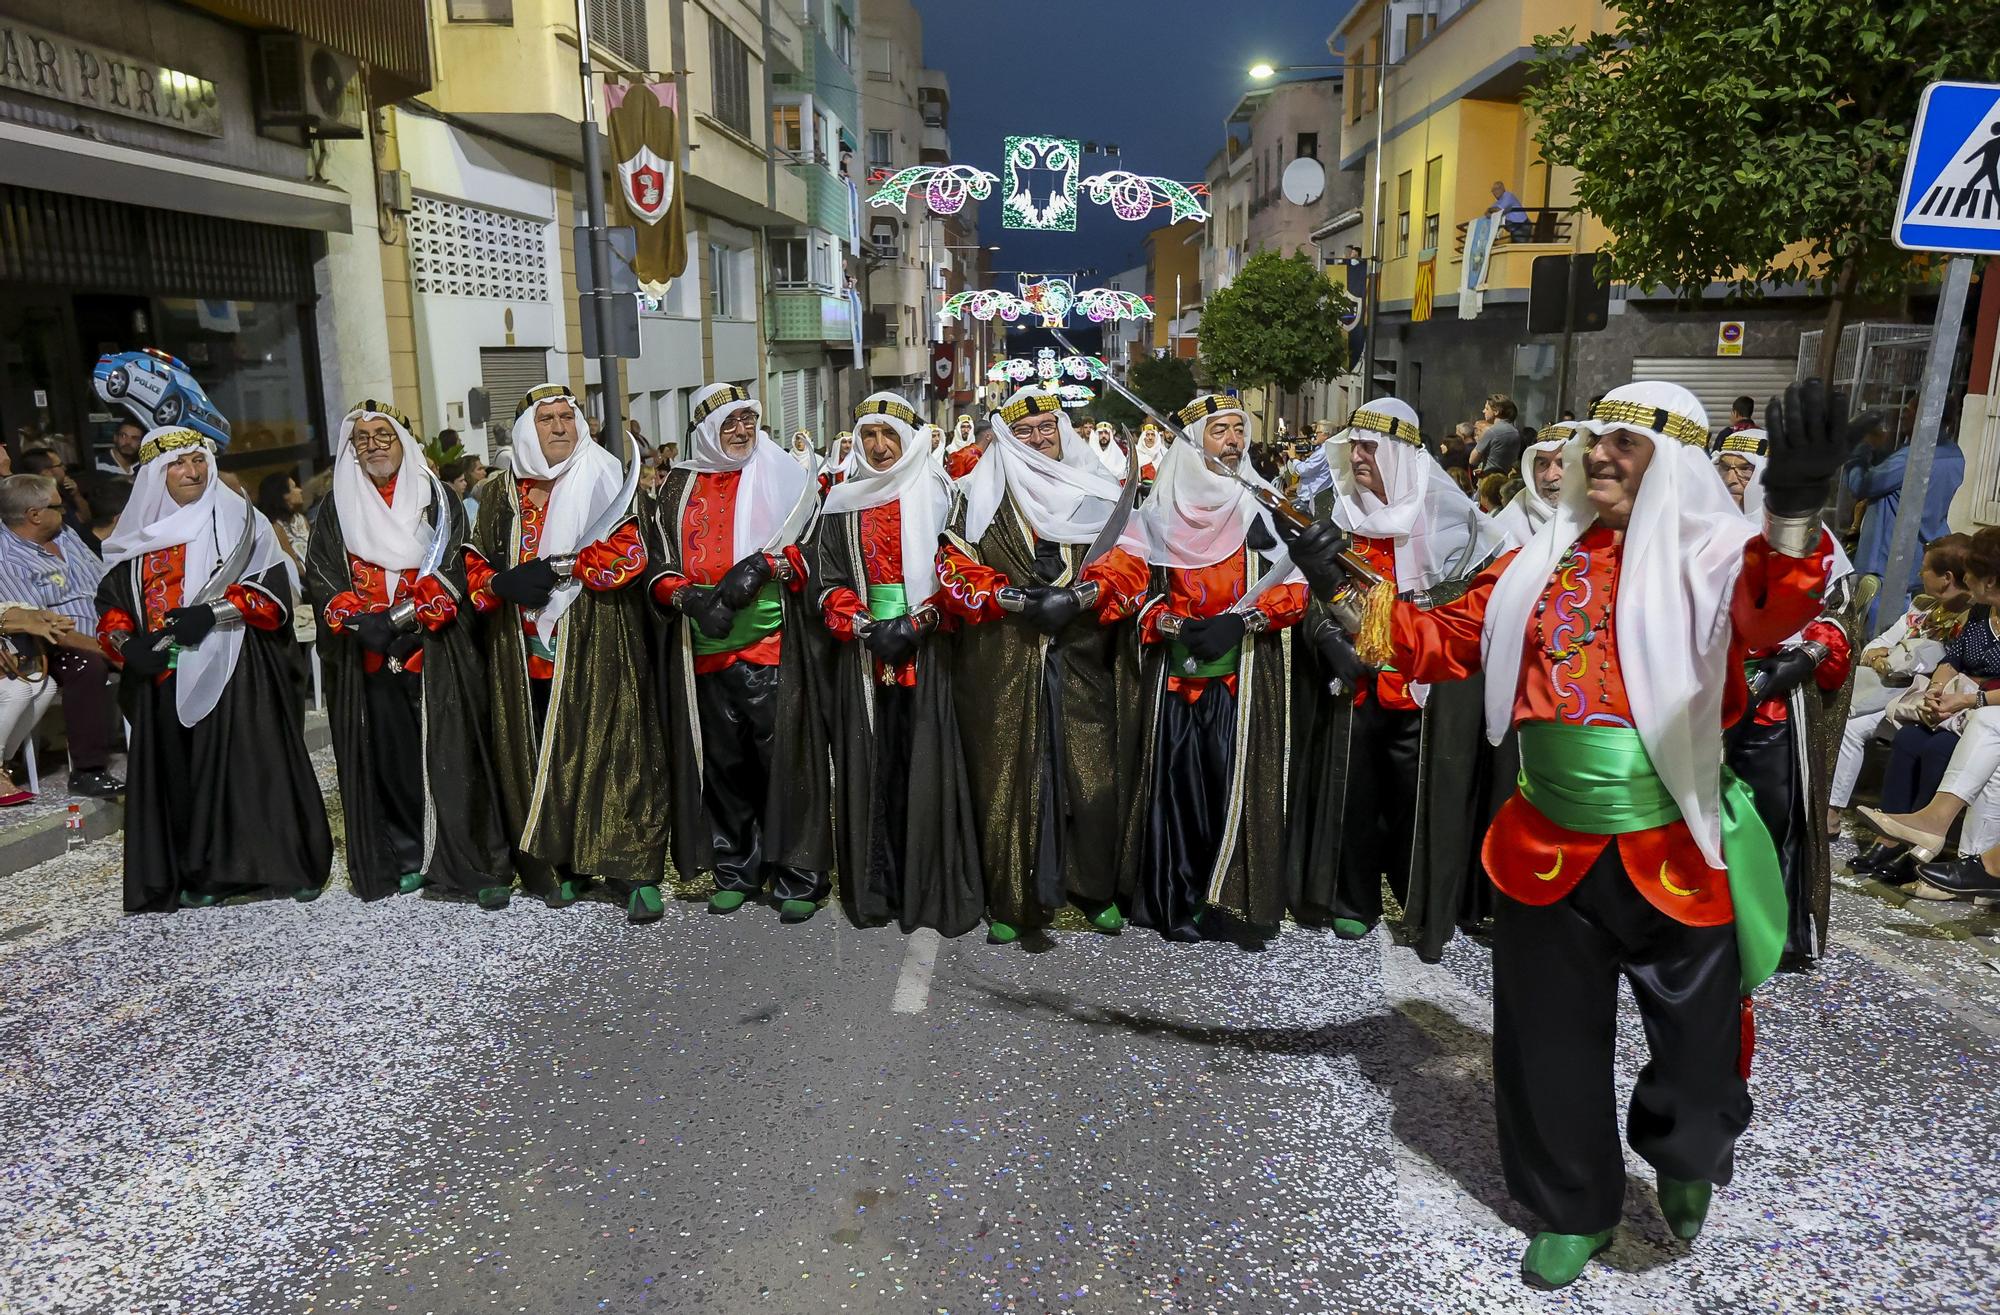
{"points": [[886, 602], [1597, 780], [764, 616], [1178, 656]]}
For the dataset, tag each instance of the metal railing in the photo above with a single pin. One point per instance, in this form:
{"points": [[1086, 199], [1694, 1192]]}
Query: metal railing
{"points": [[1544, 226]]}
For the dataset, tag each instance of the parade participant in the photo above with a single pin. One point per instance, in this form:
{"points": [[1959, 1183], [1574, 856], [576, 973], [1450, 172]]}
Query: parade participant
{"points": [[1216, 690], [963, 435], [1049, 750], [1105, 443], [839, 461], [748, 755], [802, 449], [1152, 447], [903, 810], [966, 449], [576, 744], [1393, 780], [1628, 849], [1541, 486], [404, 683], [220, 796], [1783, 746], [934, 437]]}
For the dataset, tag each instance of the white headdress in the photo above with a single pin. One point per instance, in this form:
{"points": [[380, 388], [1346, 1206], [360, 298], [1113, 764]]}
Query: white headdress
{"points": [[1753, 446], [1194, 516], [581, 487], [1439, 533], [772, 482], [1065, 501], [1528, 511], [388, 532], [910, 480]]}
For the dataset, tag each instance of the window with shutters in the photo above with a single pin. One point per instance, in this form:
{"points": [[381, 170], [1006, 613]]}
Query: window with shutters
{"points": [[460, 250], [1433, 199], [811, 417], [1403, 213], [479, 11], [881, 154], [729, 67], [619, 26], [789, 262]]}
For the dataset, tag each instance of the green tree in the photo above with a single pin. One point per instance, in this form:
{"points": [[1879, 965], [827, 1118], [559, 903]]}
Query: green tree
{"points": [[1735, 141], [1277, 323], [1166, 382]]}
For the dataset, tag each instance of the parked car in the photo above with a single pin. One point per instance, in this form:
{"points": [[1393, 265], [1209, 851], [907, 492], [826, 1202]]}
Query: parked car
{"points": [[158, 389]]}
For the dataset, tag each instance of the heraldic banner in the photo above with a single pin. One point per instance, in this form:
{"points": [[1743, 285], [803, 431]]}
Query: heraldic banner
{"points": [[646, 146]]}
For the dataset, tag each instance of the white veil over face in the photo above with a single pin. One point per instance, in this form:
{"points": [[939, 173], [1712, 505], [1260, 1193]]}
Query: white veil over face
{"points": [[911, 481], [1065, 501], [772, 483]]}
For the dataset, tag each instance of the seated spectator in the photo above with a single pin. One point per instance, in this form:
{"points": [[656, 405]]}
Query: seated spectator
{"points": [[123, 458], [47, 461], [26, 692], [1490, 487], [283, 503], [45, 564]]}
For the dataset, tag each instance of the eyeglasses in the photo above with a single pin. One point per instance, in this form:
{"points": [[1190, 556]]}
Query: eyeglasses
{"points": [[375, 440]]}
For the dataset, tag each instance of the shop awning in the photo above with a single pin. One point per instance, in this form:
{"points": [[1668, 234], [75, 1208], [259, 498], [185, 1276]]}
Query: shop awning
{"points": [[65, 162]]}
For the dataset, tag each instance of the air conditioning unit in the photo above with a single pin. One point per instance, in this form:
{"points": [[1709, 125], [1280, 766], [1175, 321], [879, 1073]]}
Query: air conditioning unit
{"points": [[310, 87]]}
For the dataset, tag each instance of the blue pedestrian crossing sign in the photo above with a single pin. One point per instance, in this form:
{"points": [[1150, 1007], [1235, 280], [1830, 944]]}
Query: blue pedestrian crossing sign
{"points": [[1951, 184]]}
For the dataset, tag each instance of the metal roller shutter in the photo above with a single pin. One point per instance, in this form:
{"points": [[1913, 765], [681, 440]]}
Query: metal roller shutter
{"points": [[791, 406], [507, 373], [1719, 380]]}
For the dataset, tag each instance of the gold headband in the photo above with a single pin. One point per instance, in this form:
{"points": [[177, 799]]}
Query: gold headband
{"points": [[1032, 404], [729, 396], [886, 406], [173, 440], [1741, 444], [544, 393], [1377, 423], [1201, 408], [371, 406], [1655, 418]]}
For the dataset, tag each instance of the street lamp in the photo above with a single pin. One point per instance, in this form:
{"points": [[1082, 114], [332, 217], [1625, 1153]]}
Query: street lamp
{"points": [[1264, 69]]}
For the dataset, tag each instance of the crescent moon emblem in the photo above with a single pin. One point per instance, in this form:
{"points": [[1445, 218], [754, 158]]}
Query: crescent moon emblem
{"points": [[1672, 889], [1550, 875]]}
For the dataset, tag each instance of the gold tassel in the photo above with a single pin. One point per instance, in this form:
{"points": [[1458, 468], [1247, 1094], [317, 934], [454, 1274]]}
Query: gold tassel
{"points": [[1373, 645]]}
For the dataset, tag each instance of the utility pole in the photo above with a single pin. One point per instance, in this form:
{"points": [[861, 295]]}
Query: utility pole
{"points": [[1375, 259], [597, 302]]}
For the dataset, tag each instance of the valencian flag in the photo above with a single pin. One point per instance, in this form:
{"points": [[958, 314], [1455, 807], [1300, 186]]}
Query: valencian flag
{"points": [[646, 151]]}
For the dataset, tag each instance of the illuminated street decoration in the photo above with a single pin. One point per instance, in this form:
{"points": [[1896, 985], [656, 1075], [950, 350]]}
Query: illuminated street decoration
{"points": [[1041, 183], [1049, 297], [1101, 304], [1046, 367], [985, 304], [1134, 196], [947, 187]]}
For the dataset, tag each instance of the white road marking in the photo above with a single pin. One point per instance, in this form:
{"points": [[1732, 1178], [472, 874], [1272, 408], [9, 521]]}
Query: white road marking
{"points": [[913, 983]]}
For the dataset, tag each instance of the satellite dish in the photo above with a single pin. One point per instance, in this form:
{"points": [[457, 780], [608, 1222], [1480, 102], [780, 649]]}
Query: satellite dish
{"points": [[1304, 181]]}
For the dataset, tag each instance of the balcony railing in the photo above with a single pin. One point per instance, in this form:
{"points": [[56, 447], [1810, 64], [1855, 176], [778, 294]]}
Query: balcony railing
{"points": [[1544, 226]]}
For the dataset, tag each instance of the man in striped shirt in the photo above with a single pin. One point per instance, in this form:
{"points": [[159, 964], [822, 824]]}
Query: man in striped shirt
{"points": [[43, 563]]}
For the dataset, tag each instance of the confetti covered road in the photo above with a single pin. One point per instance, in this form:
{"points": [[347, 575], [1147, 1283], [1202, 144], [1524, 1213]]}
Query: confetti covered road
{"points": [[413, 1106]]}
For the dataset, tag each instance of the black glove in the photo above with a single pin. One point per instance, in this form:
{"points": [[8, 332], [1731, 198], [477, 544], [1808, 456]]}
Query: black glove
{"points": [[140, 657], [1050, 609], [406, 645], [1809, 442], [894, 640], [375, 631], [704, 606], [1209, 637], [738, 589], [1776, 676], [1316, 552], [527, 585], [190, 625], [1337, 656]]}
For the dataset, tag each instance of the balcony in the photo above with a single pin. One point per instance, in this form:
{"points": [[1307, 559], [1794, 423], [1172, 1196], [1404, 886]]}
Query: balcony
{"points": [[934, 85], [1545, 226], [809, 315], [936, 144], [391, 38], [518, 80], [879, 328]]}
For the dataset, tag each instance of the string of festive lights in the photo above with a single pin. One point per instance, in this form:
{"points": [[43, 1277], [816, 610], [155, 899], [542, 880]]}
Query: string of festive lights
{"points": [[946, 187], [1134, 196]]}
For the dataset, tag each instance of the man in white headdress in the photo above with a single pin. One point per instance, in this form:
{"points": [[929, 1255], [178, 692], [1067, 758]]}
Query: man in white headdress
{"points": [[1043, 685], [747, 750], [839, 460], [1615, 643], [404, 681], [1541, 486], [1105, 440], [1216, 688], [802, 449], [1393, 782], [1785, 743], [1152, 447], [576, 743], [902, 806], [968, 445], [195, 609]]}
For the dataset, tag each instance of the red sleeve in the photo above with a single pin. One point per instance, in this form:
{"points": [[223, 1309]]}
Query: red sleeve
{"points": [[435, 608], [112, 622], [1443, 643], [970, 588], [665, 586], [260, 610], [797, 561], [342, 608], [960, 463], [1777, 595], [842, 607], [479, 575], [1283, 605], [1122, 579], [1839, 659], [1149, 623], [611, 563]]}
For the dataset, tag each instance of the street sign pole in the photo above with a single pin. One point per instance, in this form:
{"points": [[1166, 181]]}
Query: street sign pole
{"points": [[598, 301], [1923, 445]]}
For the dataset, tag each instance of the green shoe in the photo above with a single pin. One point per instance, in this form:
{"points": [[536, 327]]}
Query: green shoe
{"points": [[644, 905], [304, 894], [1685, 1204], [1348, 929], [1553, 1260], [190, 900], [495, 897], [726, 901], [1108, 919], [567, 893], [999, 933], [796, 910], [410, 883]]}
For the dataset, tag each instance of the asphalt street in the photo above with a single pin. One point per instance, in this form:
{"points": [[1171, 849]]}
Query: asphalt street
{"points": [[415, 1106]]}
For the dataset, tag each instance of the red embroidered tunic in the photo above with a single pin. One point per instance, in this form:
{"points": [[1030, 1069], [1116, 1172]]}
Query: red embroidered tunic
{"points": [[435, 608], [161, 586], [971, 589], [1210, 591], [959, 464], [1392, 688], [603, 566], [708, 550], [881, 532], [1570, 674]]}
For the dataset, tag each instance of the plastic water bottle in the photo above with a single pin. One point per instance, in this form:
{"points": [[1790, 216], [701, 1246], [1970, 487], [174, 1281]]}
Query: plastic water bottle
{"points": [[73, 823]]}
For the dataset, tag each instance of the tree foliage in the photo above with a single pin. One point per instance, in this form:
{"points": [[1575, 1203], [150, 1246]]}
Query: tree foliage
{"points": [[1166, 382], [1277, 323], [1737, 140]]}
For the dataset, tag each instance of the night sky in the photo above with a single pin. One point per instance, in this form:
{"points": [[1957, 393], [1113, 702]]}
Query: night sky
{"points": [[1154, 76]]}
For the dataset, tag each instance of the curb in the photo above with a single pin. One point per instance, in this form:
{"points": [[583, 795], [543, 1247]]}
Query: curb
{"points": [[24, 846], [1946, 916]]}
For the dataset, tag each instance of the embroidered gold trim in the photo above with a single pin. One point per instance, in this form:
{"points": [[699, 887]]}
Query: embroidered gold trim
{"points": [[171, 441], [1377, 423], [729, 396], [1655, 418], [543, 393], [1033, 404], [886, 406], [373, 407]]}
